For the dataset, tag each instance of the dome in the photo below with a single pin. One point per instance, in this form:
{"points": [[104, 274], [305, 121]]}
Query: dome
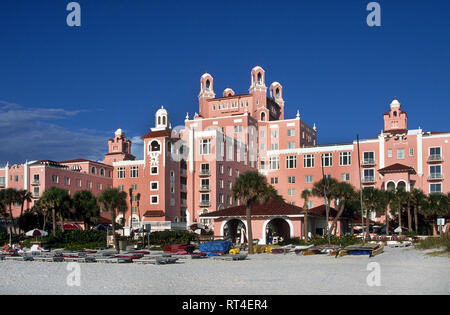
{"points": [[257, 68], [395, 103], [161, 111], [119, 132]]}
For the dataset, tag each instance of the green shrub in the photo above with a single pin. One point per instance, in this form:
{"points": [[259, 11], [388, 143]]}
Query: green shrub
{"points": [[435, 242], [172, 237], [72, 240]]}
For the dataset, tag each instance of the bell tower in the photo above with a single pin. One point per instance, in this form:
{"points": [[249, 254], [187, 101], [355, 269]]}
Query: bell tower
{"points": [[206, 93], [258, 89], [396, 118], [119, 149]]}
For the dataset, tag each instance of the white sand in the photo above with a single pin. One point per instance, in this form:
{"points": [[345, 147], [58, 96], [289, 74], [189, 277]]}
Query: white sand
{"points": [[403, 271]]}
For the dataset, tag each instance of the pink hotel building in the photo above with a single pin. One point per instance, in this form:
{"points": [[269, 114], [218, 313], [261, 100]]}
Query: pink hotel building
{"points": [[187, 173]]}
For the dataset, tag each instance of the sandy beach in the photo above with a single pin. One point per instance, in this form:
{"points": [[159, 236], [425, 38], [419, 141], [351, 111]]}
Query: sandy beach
{"points": [[403, 271]]}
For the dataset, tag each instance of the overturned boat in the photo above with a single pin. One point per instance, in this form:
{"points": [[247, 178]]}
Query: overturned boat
{"points": [[358, 250]]}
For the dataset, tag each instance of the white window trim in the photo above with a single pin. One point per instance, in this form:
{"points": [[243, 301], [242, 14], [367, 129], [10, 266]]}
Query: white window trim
{"points": [[151, 199], [157, 184]]}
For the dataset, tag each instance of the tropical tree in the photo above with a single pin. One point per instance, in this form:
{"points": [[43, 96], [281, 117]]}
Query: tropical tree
{"points": [[85, 206], [418, 199], [250, 188], [371, 197], [58, 200], [342, 191], [113, 200], [437, 205], [384, 200], [23, 196], [9, 196], [306, 195], [325, 188]]}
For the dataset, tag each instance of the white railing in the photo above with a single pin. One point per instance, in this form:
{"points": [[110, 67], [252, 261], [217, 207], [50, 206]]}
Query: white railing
{"points": [[368, 179], [435, 176], [367, 162], [435, 158]]}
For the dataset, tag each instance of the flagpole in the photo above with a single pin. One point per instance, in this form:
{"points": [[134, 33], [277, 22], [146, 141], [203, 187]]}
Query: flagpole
{"points": [[360, 190]]}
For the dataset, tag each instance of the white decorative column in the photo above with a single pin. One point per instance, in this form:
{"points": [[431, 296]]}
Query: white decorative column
{"points": [[419, 153], [381, 149], [6, 174]]}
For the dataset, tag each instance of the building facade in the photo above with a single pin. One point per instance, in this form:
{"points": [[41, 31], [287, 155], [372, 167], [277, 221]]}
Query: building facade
{"points": [[187, 173]]}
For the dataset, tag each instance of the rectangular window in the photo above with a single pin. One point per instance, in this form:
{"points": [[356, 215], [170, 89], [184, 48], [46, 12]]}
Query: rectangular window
{"points": [[291, 192], [221, 168], [153, 185], [411, 151], [309, 204], [345, 176], [291, 132], [435, 172], [36, 178], [274, 134], [237, 129], [154, 200], [308, 161], [369, 175], [120, 187], [274, 146], [274, 180], [390, 153], [205, 146], [308, 179], [435, 151], [78, 182], [55, 179], [368, 158], [435, 188], [134, 187], [345, 158], [154, 170], [291, 145], [36, 192], [291, 161], [274, 163], [67, 181], [134, 172], [99, 186], [400, 153], [230, 171], [327, 159], [121, 172], [291, 179]]}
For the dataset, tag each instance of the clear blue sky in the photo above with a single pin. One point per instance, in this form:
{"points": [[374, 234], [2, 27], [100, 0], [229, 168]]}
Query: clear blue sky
{"points": [[63, 91]]}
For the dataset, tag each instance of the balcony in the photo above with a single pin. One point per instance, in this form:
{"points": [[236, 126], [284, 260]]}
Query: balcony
{"points": [[205, 203], [435, 176], [183, 187], [368, 180], [183, 172], [369, 162], [183, 202], [35, 182], [205, 173], [35, 195], [435, 158], [204, 188], [2, 183]]}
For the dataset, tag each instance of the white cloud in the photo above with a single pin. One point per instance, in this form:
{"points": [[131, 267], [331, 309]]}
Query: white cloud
{"points": [[30, 134]]}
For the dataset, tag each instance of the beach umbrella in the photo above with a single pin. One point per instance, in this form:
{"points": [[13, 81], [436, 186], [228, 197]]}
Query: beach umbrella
{"points": [[36, 233], [199, 228]]}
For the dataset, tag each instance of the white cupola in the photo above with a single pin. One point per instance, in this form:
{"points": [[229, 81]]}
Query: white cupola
{"points": [[162, 119]]}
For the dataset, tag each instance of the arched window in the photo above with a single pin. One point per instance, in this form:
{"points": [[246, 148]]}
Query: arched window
{"points": [[263, 116], [155, 146], [395, 114], [93, 170], [259, 78], [102, 172], [159, 120], [208, 84], [390, 186], [401, 186], [277, 93], [164, 120]]}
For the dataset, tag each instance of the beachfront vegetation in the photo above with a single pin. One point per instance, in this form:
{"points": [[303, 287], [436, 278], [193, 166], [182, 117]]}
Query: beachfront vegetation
{"points": [[252, 187], [113, 201], [440, 243], [172, 237], [72, 240]]}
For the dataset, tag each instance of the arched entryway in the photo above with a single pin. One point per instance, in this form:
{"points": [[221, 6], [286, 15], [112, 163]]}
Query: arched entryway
{"points": [[235, 230], [278, 227]]}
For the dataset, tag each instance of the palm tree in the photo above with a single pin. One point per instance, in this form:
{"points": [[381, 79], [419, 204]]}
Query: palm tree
{"points": [[385, 197], [251, 187], [58, 200], [342, 191], [371, 197], [113, 200], [138, 199], [437, 205], [23, 196], [418, 198], [325, 188], [9, 198], [306, 194], [130, 194], [86, 207]]}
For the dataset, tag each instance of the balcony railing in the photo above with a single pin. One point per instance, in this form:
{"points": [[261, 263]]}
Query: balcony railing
{"points": [[368, 180], [183, 172], [435, 176], [35, 195], [369, 162], [183, 202], [204, 188], [2, 183], [435, 158], [205, 172], [183, 187], [35, 182], [205, 203]]}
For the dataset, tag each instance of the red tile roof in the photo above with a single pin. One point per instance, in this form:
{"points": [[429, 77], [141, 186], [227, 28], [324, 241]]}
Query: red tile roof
{"points": [[154, 214], [320, 211], [156, 134], [397, 168], [270, 208]]}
